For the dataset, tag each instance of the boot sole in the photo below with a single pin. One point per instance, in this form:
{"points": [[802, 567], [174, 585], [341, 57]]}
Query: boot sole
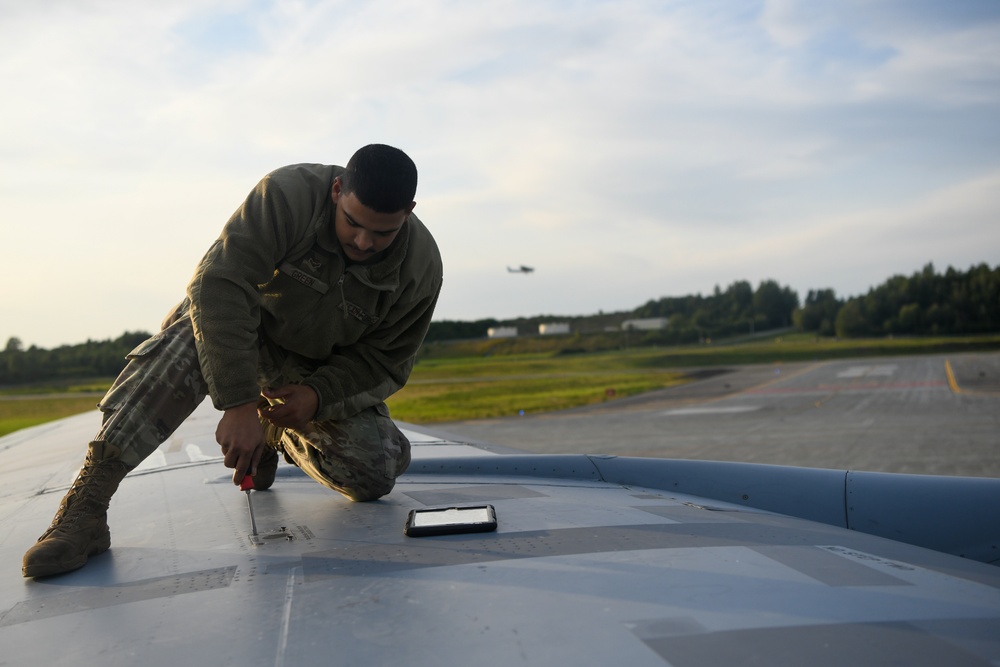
{"points": [[51, 569]]}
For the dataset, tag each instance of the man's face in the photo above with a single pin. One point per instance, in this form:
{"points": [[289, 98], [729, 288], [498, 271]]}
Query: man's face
{"points": [[362, 232]]}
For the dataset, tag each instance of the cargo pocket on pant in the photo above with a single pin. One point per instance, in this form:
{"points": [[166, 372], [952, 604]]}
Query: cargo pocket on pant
{"points": [[395, 446], [122, 388]]}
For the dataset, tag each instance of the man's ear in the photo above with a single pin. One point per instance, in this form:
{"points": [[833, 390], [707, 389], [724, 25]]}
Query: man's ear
{"points": [[413, 205], [336, 189]]}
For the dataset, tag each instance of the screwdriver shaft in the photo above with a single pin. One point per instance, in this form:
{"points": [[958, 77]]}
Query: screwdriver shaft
{"points": [[253, 519]]}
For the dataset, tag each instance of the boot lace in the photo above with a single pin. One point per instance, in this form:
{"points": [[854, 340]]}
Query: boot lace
{"points": [[88, 497]]}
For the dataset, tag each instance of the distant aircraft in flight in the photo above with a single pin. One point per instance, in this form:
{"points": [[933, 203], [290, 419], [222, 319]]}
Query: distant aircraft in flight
{"points": [[520, 269]]}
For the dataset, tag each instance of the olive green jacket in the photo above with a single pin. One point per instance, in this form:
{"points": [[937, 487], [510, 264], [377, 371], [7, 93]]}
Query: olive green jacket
{"points": [[275, 301]]}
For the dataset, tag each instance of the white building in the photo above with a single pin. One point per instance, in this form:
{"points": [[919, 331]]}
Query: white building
{"points": [[646, 324], [501, 332], [553, 328]]}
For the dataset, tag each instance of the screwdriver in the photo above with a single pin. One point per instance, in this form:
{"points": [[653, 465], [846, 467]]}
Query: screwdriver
{"points": [[247, 485]]}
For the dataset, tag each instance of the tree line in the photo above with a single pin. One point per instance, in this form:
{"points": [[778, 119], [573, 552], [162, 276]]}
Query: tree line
{"points": [[737, 310], [95, 358], [926, 303]]}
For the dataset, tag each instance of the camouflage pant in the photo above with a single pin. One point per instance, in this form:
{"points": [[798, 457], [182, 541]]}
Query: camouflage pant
{"points": [[360, 457]]}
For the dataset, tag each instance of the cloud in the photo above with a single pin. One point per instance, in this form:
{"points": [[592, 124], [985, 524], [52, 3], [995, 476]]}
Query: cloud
{"points": [[628, 150]]}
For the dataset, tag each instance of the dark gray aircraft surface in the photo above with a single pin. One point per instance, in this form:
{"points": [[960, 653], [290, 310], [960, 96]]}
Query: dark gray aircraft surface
{"points": [[596, 560]]}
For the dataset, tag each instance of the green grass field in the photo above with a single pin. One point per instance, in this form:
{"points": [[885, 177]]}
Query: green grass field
{"points": [[30, 405], [450, 399], [18, 413], [452, 388], [446, 388]]}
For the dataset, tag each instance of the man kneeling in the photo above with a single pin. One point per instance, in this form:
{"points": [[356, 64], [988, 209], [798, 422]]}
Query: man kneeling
{"points": [[301, 319]]}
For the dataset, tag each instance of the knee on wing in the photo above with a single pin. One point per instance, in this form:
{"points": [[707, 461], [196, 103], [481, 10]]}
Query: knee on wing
{"points": [[368, 491]]}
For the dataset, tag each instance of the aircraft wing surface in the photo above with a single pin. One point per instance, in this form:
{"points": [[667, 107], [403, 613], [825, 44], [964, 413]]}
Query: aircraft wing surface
{"points": [[595, 561]]}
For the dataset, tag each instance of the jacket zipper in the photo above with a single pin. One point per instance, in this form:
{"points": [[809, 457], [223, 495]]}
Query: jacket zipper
{"points": [[343, 297]]}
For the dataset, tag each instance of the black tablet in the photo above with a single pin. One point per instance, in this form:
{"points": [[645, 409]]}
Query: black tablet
{"points": [[451, 521]]}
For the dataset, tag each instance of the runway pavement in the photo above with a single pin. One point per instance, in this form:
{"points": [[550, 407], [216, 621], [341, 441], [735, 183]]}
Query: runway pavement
{"points": [[927, 415]]}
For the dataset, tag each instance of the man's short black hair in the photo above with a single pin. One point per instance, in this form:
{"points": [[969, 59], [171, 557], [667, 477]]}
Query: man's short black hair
{"points": [[383, 178]]}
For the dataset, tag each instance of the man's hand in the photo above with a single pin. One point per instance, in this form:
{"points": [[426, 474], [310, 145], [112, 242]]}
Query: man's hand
{"points": [[242, 439], [292, 406]]}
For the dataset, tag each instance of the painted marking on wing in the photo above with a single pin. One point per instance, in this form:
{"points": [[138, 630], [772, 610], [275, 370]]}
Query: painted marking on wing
{"points": [[196, 455], [90, 598], [155, 460], [712, 410], [286, 616], [867, 559]]}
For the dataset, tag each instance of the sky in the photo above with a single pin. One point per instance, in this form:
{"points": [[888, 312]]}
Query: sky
{"points": [[628, 150]]}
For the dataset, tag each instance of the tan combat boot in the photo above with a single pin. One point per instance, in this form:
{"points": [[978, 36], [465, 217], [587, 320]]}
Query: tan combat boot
{"points": [[80, 527], [267, 468]]}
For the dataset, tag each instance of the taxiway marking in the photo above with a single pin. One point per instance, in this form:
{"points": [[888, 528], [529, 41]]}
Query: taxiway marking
{"points": [[712, 410]]}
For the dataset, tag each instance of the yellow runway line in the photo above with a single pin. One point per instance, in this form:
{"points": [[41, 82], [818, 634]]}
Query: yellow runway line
{"points": [[951, 377], [953, 383]]}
